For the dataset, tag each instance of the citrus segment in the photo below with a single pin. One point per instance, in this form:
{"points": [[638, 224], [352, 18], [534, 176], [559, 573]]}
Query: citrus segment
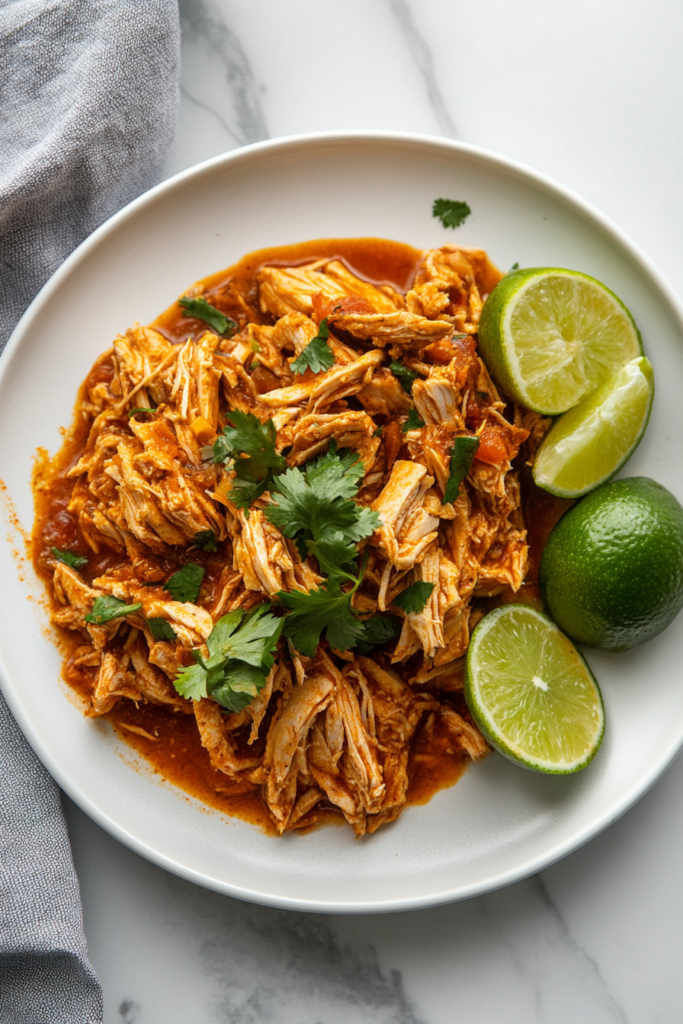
{"points": [[531, 693], [588, 444], [552, 336]]}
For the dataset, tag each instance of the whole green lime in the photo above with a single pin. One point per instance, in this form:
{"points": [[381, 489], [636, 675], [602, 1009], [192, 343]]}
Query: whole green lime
{"points": [[612, 569]]}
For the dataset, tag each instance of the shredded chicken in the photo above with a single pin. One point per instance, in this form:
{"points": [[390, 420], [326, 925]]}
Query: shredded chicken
{"points": [[333, 733]]}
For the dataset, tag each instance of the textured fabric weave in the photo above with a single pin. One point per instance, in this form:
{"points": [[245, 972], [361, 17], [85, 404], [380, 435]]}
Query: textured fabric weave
{"points": [[88, 99]]}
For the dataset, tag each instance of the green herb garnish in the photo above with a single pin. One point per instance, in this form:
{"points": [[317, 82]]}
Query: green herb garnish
{"points": [[241, 653], [315, 507], [251, 446], [414, 422], [462, 453], [205, 540], [161, 629], [106, 608], [414, 598], [405, 377], [185, 584], [200, 309], [139, 409], [69, 558], [317, 355], [451, 212], [377, 630], [327, 609]]}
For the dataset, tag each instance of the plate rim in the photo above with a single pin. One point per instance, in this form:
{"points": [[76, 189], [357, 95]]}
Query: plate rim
{"points": [[505, 877]]}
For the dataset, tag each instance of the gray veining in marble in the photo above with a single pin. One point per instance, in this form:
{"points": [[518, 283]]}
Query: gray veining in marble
{"points": [[424, 59], [236, 107]]}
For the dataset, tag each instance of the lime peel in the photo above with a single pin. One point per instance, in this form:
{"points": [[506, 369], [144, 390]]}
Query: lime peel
{"points": [[590, 443], [551, 336], [531, 692]]}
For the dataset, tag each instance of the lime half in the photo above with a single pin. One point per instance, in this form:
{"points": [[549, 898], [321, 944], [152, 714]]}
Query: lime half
{"points": [[587, 445], [552, 336], [531, 693]]}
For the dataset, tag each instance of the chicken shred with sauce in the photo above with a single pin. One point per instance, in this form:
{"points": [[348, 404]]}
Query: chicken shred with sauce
{"points": [[340, 731]]}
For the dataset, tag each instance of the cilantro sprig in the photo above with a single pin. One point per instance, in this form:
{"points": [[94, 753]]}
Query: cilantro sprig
{"points": [[249, 446], [451, 212], [462, 454], [315, 507], [414, 598], [202, 310], [241, 653], [106, 608], [327, 610], [317, 355], [69, 558], [185, 584]]}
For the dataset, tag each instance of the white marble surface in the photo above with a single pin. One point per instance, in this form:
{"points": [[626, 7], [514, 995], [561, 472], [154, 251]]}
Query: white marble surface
{"points": [[588, 91]]}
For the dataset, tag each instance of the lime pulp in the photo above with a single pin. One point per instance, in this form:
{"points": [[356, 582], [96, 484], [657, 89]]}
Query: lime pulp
{"points": [[591, 442], [531, 693], [552, 336]]}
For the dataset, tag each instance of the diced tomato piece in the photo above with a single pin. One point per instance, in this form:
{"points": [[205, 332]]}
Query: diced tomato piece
{"points": [[492, 447], [476, 410], [440, 352], [324, 307]]}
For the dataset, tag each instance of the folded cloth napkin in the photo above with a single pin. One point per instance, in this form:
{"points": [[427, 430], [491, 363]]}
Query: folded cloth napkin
{"points": [[88, 99]]}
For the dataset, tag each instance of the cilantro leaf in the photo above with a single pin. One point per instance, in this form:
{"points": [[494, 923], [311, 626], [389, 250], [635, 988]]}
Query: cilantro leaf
{"points": [[251, 446], [106, 608], [184, 585], [377, 630], [515, 266], [317, 355], [237, 686], [327, 609], [205, 540], [451, 212], [414, 422], [414, 598], [462, 453], [250, 443], [161, 629], [69, 558], [241, 652], [251, 638], [200, 309], [333, 552], [316, 503], [406, 377], [191, 682]]}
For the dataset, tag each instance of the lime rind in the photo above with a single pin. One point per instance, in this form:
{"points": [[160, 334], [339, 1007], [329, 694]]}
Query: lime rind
{"points": [[531, 692], [570, 333], [586, 446]]}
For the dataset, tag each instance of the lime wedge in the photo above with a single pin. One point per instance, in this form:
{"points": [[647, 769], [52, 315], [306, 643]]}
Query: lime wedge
{"points": [[551, 337], [588, 444], [531, 693]]}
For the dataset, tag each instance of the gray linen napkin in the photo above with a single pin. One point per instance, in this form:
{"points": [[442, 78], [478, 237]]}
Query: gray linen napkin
{"points": [[88, 98]]}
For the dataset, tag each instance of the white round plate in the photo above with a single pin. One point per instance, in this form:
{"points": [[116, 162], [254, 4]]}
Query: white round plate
{"points": [[499, 823]]}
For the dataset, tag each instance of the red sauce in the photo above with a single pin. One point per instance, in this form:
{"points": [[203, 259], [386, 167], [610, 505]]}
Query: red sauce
{"points": [[173, 747]]}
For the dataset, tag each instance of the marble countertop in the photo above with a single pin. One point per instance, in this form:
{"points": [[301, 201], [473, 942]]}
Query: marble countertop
{"points": [[587, 91]]}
